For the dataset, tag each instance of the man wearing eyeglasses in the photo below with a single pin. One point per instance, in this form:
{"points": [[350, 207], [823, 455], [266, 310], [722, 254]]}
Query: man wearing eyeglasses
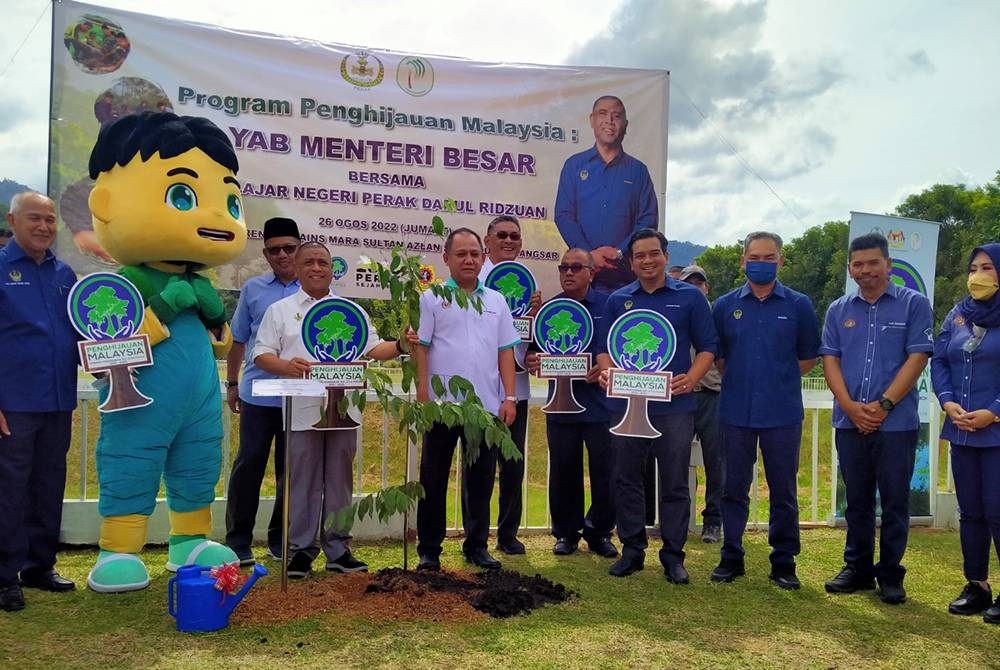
{"points": [[604, 196], [503, 243], [260, 417], [567, 434], [876, 342]]}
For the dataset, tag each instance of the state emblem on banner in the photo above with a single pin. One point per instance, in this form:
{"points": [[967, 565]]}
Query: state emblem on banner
{"points": [[360, 70], [415, 75], [896, 238]]}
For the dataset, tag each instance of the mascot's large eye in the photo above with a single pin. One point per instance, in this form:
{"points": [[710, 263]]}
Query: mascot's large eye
{"points": [[181, 197], [235, 209]]}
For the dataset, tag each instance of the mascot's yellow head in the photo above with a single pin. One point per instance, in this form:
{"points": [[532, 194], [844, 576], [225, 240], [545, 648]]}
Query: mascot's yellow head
{"points": [[166, 192]]}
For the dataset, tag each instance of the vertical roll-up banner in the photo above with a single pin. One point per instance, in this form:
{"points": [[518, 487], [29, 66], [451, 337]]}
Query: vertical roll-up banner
{"points": [[913, 249], [361, 146]]}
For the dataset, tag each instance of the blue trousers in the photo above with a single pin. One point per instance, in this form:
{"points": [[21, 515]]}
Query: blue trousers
{"points": [[435, 467], [32, 482], [977, 487], [672, 451], [882, 460], [259, 426], [566, 492], [706, 427], [779, 448]]}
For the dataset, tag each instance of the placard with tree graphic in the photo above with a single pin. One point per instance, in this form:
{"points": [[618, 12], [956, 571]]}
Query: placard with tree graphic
{"points": [[641, 343], [106, 309], [335, 332], [516, 284], [563, 330]]}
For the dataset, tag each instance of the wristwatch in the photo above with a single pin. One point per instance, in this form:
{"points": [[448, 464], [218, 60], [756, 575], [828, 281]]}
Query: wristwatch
{"points": [[886, 404], [512, 398], [230, 383]]}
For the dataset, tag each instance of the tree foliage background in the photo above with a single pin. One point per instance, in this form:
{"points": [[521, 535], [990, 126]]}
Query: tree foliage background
{"points": [[816, 261]]}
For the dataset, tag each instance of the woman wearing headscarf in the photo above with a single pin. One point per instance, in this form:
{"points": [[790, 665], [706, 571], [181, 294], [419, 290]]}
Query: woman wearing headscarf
{"points": [[965, 371]]}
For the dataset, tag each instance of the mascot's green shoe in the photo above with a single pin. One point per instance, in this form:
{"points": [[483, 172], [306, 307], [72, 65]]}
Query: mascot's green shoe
{"points": [[199, 551], [117, 573]]}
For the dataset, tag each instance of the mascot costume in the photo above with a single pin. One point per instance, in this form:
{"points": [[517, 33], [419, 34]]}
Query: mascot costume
{"points": [[165, 204]]}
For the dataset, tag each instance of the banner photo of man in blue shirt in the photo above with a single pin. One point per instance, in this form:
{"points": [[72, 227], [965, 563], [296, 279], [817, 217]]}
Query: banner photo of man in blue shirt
{"points": [[604, 196]]}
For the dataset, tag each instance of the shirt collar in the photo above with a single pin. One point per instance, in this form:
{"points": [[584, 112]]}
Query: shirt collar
{"points": [[892, 291], [778, 290], [451, 284], [594, 154], [303, 298], [669, 283], [15, 252]]}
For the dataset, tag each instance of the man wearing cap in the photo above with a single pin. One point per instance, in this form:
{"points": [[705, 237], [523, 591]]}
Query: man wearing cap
{"points": [[260, 417], [706, 427]]}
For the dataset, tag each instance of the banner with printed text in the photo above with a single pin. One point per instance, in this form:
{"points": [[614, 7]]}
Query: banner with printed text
{"points": [[913, 247], [361, 146]]}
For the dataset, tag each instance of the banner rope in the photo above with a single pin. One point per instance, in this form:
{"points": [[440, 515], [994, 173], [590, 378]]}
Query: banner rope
{"points": [[47, 4]]}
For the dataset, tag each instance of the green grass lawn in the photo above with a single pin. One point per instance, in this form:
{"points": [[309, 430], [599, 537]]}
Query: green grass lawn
{"points": [[637, 622]]}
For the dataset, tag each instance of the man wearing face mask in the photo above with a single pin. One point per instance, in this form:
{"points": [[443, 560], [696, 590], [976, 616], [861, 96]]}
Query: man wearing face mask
{"points": [[964, 375], [876, 342], [503, 243], [768, 337]]}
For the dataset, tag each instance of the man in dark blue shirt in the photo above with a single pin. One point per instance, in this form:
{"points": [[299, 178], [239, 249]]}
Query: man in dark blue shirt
{"points": [[876, 342], [688, 312], [768, 338], [37, 398], [567, 434], [604, 196]]}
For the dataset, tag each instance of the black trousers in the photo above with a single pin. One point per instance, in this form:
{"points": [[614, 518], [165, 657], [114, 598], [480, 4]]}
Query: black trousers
{"points": [[672, 451], [511, 476], [32, 483], [436, 456], [566, 492], [259, 426]]}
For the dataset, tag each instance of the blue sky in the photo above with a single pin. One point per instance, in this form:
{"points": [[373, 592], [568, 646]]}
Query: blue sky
{"points": [[784, 114]]}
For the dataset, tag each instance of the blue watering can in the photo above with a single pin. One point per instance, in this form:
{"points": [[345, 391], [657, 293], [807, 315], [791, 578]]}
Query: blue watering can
{"points": [[197, 605]]}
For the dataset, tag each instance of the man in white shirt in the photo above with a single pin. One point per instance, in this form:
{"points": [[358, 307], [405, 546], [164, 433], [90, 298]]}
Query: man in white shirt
{"points": [[478, 346], [322, 479]]}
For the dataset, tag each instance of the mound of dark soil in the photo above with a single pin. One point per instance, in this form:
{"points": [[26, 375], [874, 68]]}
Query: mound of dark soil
{"points": [[499, 594]]}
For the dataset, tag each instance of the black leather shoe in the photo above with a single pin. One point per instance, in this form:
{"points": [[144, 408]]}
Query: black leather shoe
{"points": [[973, 600], [625, 566], [602, 547], [677, 574], [512, 547], [711, 533], [11, 598], [992, 615], [892, 594], [727, 571], [482, 559], [428, 564], [785, 579], [564, 546], [46, 581], [849, 580]]}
